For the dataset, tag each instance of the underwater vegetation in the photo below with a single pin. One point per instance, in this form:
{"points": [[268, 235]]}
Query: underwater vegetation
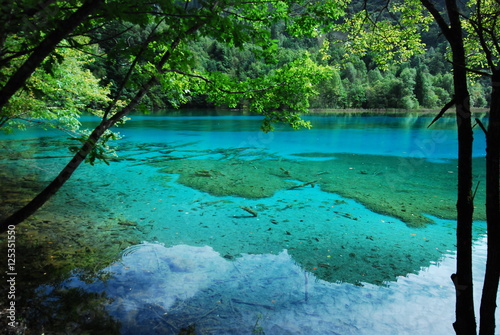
{"points": [[405, 188]]}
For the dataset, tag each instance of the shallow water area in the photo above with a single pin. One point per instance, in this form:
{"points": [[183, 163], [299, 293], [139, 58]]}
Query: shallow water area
{"points": [[204, 223], [167, 289]]}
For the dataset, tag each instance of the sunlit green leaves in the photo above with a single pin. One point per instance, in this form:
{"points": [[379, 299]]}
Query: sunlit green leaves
{"points": [[281, 96], [58, 98], [147, 41], [482, 39], [389, 33], [312, 18]]}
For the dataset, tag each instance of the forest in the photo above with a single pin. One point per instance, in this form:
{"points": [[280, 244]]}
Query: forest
{"points": [[422, 81], [61, 61], [96, 63]]}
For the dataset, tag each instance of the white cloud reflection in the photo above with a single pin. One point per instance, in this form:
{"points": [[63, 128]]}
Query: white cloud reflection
{"points": [[275, 293]]}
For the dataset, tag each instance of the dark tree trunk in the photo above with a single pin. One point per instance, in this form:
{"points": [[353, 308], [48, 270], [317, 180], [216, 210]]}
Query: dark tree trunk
{"points": [[49, 43], [37, 202], [491, 279], [465, 323], [25, 212]]}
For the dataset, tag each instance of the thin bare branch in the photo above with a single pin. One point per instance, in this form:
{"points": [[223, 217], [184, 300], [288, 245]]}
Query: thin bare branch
{"points": [[443, 110], [481, 125]]}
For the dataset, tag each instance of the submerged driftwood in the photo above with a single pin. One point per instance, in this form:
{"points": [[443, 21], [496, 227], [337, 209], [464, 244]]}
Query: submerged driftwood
{"points": [[302, 185], [249, 210]]}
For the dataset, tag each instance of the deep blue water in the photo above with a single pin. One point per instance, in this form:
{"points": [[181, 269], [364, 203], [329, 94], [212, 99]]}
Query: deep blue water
{"points": [[384, 135]]}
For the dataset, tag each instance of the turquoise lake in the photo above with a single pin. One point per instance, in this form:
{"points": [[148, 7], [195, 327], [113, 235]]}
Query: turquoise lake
{"points": [[202, 223]]}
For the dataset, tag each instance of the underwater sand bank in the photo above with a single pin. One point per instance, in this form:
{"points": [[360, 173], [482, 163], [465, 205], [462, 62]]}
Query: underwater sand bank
{"points": [[404, 188]]}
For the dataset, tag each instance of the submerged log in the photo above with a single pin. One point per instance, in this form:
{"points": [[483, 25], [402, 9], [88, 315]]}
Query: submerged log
{"points": [[302, 185], [249, 210]]}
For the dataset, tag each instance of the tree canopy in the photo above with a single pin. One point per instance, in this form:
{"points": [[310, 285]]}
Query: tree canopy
{"points": [[242, 48]]}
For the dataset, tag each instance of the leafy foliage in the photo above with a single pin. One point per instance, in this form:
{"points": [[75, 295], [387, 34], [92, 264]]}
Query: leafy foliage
{"points": [[244, 54], [481, 42], [101, 150], [141, 44], [389, 34], [56, 94]]}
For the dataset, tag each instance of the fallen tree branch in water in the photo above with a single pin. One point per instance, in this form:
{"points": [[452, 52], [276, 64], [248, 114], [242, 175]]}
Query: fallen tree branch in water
{"points": [[302, 185], [249, 210]]}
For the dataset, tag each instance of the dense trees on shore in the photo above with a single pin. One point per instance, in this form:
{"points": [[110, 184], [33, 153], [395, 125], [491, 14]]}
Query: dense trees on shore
{"points": [[423, 81]]}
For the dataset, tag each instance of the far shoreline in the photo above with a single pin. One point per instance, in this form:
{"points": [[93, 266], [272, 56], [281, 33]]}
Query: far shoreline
{"points": [[476, 112]]}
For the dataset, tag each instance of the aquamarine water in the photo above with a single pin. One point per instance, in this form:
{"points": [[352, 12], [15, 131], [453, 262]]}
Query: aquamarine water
{"points": [[376, 135], [309, 261]]}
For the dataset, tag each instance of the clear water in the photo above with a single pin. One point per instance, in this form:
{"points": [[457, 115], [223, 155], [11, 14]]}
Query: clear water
{"points": [[202, 223]]}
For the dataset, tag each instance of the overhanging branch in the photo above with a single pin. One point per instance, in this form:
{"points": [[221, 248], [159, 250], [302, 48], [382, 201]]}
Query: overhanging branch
{"points": [[445, 28], [65, 27], [209, 81]]}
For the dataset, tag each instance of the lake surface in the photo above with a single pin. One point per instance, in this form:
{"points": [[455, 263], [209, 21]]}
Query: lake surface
{"points": [[206, 224]]}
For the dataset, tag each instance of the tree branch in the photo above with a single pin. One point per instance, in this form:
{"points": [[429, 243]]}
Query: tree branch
{"points": [[481, 125], [18, 79], [130, 70], [445, 28], [209, 81], [23, 213], [478, 26], [443, 110]]}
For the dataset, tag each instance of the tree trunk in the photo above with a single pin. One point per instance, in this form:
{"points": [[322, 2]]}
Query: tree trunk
{"points": [[37, 202], [465, 323], [491, 279], [49, 43], [25, 212]]}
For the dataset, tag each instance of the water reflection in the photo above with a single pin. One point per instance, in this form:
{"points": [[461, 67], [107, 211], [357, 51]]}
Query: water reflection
{"points": [[182, 287]]}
